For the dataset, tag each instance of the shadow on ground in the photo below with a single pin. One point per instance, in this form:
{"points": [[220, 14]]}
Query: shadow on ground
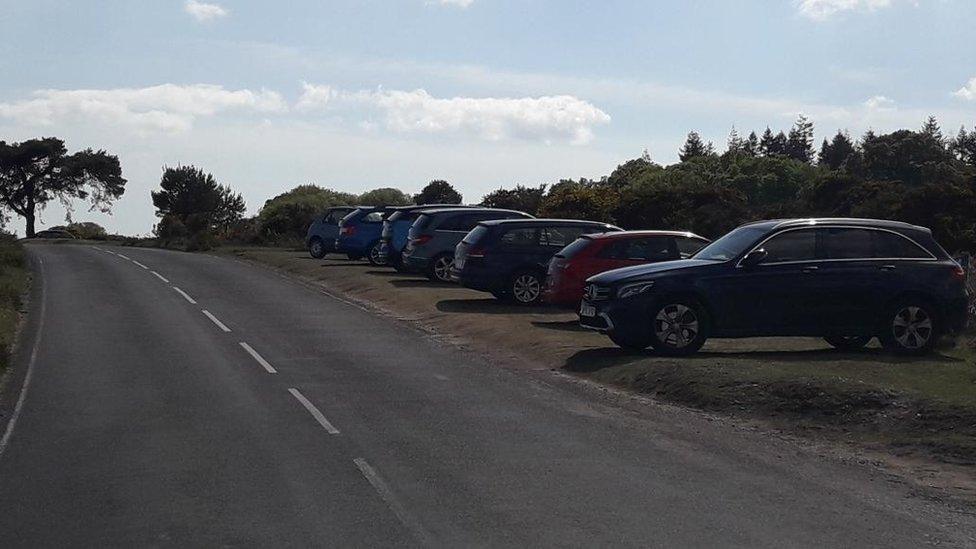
{"points": [[562, 326], [492, 307]]}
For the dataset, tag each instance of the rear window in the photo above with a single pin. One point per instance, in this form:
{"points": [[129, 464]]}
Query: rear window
{"points": [[373, 217], [421, 222], [576, 247], [476, 234], [351, 215], [395, 217]]}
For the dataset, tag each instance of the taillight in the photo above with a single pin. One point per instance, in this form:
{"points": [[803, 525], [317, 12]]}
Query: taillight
{"points": [[422, 239], [958, 273], [348, 230], [476, 252]]}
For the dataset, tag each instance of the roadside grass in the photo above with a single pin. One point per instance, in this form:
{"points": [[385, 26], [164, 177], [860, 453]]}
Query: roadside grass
{"points": [[13, 283]]}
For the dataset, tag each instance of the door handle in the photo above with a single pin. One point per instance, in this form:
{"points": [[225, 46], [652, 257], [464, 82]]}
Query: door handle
{"points": [[886, 268], [810, 269]]}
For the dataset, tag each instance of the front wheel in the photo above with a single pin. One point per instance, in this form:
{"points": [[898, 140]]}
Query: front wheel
{"points": [[373, 255], [911, 328], [678, 327], [848, 343], [526, 288], [316, 248]]}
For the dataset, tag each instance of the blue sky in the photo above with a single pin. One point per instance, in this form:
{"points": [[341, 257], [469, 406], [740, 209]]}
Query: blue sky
{"points": [[485, 93]]}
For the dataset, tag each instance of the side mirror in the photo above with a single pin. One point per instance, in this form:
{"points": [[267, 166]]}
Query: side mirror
{"points": [[754, 258]]}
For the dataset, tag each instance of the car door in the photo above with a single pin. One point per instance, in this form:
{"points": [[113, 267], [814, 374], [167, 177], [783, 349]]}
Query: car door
{"points": [[847, 282], [774, 297]]}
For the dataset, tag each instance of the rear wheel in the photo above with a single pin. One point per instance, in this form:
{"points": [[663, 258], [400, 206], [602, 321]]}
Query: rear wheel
{"points": [[678, 327], [440, 268], [316, 248], [526, 287], [373, 255], [911, 327], [848, 343]]}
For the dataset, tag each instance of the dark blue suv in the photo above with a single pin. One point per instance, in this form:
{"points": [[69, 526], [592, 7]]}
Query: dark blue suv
{"points": [[846, 280], [509, 257]]}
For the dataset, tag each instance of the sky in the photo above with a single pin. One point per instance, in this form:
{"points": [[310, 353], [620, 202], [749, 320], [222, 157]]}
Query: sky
{"points": [[360, 94]]}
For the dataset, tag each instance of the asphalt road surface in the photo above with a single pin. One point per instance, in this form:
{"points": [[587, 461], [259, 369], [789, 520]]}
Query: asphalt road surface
{"points": [[184, 399]]}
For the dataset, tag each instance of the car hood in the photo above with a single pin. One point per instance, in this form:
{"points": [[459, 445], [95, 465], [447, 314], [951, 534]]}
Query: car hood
{"points": [[639, 272]]}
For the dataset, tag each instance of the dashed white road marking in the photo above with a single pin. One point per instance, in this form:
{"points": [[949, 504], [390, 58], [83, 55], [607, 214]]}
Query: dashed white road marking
{"points": [[124, 257], [110, 252], [440, 377], [254, 354], [398, 509], [159, 276], [215, 320], [314, 411], [184, 294], [139, 264], [12, 422]]}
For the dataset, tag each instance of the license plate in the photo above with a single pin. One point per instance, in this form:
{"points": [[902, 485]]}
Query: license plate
{"points": [[587, 310]]}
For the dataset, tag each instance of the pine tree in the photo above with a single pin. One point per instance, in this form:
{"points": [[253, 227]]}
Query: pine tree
{"points": [[751, 145], [772, 145], [799, 144], [695, 147], [931, 128], [835, 152], [964, 146], [735, 143]]}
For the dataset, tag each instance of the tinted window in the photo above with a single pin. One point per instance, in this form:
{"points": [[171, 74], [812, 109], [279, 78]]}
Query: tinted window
{"points": [[456, 222], [396, 216], [560, 237], [574, 248], [520, 238], [731, 245], [791, 246], [476, 234], [373, 217], [421, 222], [656, 248], [848, 243], [890, 245], [687, 247]]}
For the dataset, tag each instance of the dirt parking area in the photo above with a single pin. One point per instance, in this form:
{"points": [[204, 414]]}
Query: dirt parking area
{"points": [[915, 414]]}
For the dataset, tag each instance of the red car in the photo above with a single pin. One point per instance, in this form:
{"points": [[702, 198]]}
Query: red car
{"points": [[596, 253]]}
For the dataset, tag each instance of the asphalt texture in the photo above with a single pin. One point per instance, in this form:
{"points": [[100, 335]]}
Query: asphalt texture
{"points": [[146, 422]]}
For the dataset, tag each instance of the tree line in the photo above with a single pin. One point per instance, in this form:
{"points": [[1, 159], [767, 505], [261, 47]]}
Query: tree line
{"points": [[919, 176]]}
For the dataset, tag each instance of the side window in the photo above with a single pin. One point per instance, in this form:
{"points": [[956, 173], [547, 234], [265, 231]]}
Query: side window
{"points": [[452, 223], [334, 217], [843, 243], [640, 249], [520, 238], [373, 217], [687, 247], [560, 237], [893, 246], [791, 246]]}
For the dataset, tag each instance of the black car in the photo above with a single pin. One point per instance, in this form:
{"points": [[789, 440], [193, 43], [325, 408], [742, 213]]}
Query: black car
{"points": [[846, 280], [509, 258]]}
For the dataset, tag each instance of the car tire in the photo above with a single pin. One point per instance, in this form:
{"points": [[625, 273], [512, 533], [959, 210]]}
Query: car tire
{"points": [[910, 327], [632, 341], [373, 254], [439, 269], [848, 343], [525, 288], [316, 248], [679, 326]]}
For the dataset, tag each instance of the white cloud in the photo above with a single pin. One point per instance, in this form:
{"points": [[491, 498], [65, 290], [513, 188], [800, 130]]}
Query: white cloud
{"points": [[547, 118], [820, 10], [968, 91], [203, 12], [165, 108], [879, 102], [314, 97], [458, 3]]}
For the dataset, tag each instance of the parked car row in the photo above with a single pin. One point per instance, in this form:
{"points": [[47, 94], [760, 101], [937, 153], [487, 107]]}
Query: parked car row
{"points": [[845, 280]]}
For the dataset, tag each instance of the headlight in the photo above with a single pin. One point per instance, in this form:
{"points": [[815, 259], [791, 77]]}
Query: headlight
{"points": [[630, 290]]}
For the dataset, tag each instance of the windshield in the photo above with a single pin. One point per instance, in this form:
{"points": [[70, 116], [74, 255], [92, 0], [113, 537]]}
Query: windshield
{"points": [[731, 245]]}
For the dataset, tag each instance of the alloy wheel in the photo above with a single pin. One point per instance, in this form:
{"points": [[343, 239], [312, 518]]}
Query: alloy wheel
{"points": [[676, 325], [442, 268], [526, 288], [317, 249], [912, 327], [374, 255]]}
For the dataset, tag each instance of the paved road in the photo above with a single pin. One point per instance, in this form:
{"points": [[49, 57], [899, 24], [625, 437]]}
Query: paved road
{"points": [[148, 422]]}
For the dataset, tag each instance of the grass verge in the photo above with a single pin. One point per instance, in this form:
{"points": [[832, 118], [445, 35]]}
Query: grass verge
{"points": [[13, 283]]}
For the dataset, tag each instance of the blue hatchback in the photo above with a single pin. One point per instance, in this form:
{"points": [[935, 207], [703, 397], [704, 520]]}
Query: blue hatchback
{"points": [[396, 227], [845, 280], [360, 231], [322, 233]]}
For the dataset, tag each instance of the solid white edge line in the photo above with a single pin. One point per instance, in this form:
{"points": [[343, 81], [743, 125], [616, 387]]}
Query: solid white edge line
{"points": [[185, 295], [9, 431], [159, 276], [254, 354], [215, 320], [391, 501], [140, 264], [314, 411]]}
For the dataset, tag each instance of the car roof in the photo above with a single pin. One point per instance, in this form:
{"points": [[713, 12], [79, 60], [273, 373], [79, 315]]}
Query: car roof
{"points": [[636, 234], [542, 222], [469, 209], [772, 224], [433, 207]]}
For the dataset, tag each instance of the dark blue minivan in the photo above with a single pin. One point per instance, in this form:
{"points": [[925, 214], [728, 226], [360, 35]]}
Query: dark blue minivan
{"points": [[360, 231], [324, 230], [509, 257], [845, 280]]}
